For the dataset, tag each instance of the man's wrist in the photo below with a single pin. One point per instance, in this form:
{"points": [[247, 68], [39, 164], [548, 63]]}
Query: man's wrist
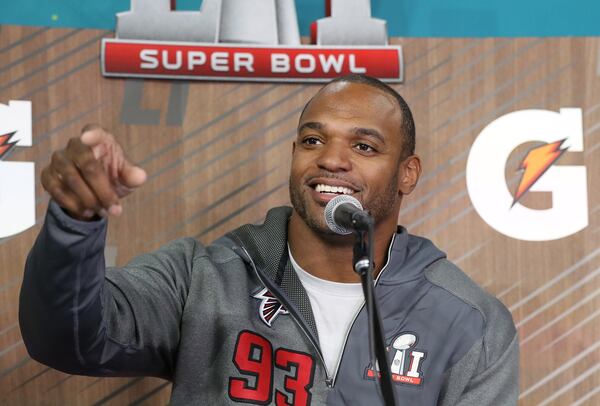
{"points": [[67, 221]]}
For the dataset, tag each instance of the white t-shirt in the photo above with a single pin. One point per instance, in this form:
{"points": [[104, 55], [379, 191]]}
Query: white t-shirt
{"points": [[334, 306]]}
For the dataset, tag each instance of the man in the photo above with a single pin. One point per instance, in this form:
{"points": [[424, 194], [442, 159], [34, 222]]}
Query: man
{"points": [[269, 314]]}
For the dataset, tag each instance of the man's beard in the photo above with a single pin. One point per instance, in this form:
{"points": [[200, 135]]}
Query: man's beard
{"points": [[380, 206]]}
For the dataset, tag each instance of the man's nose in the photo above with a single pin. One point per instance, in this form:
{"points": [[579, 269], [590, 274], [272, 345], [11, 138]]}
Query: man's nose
{"points": [[334, 157]]}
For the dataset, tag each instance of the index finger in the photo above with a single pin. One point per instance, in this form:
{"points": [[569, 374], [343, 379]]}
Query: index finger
{"points": [[93, 135], [95, 175]]}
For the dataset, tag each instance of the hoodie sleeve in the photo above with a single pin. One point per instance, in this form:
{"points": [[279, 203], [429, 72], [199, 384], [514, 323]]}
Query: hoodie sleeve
{"points": [[496, 385], [489, 373], [80, 318]]}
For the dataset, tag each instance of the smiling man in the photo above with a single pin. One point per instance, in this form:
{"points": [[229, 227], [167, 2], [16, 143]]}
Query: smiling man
{"points": [[269, 314], [357, 137]]}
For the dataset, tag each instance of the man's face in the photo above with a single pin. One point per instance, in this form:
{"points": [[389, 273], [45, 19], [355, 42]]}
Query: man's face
{"points": [[348, 142]]}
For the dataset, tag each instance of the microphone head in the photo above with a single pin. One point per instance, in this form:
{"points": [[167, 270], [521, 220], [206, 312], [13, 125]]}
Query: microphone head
{"points": [[332, 205]]}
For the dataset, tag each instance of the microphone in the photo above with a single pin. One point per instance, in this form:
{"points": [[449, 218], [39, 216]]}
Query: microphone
{"points": [[344, 213]]}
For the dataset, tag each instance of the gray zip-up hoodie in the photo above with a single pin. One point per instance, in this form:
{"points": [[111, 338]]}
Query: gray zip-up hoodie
{"points": [[230, 323]]}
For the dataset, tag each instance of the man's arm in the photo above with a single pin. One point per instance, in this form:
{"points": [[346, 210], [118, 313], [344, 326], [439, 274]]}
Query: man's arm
{"points": [[75, 315], [81, 319], [489, 373], [496, 384]]}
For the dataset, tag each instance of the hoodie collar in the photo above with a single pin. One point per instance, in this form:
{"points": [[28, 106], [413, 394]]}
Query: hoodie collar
{"points": [[409, 256], [267, 246]]}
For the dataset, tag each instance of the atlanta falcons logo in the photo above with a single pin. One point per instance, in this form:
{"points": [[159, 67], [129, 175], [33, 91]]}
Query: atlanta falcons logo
{"points": [[269, 307]]}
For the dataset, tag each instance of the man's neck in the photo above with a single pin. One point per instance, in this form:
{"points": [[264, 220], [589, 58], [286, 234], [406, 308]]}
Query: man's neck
{"points": [[330, 256]]}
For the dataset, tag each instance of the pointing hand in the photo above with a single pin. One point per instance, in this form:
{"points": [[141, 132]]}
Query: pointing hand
{"points": [[91, 175]]}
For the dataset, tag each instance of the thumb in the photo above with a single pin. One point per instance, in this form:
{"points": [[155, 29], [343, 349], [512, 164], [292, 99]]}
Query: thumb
{"points": [[132, 176]]}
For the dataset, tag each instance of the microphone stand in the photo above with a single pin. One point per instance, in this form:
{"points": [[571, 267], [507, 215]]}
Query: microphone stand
{"points": [[363, 259]]}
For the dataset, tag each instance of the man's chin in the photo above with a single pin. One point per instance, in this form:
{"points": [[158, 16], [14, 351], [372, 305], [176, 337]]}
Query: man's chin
{"points": [[311, 213], [313, 218], [322, 229], [318, 226], [316, 223]]}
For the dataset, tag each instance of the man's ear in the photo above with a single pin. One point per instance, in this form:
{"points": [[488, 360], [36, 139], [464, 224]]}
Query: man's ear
{"points": [[410, 171], [293, 147]]}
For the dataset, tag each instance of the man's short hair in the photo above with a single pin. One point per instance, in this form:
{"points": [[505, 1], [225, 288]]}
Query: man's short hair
{"points": [[407, 126]]}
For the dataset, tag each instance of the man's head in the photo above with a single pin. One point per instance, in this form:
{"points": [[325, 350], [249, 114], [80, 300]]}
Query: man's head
{"points": [[406, 127], [355, 136]]}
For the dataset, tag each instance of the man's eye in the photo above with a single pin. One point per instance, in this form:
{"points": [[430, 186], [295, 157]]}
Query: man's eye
{"points": [[311, 141], [365, 147]]}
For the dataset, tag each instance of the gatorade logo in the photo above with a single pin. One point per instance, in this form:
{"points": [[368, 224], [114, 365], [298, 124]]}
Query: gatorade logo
{"points": [[17, 179], [500, 205]]}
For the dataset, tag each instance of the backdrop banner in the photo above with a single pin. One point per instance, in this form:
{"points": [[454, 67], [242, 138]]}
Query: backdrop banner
{"points": [[508, 130]]}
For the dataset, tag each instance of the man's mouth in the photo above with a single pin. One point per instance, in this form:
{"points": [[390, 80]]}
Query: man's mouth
{"points": [[338, 190], [325, 188]]}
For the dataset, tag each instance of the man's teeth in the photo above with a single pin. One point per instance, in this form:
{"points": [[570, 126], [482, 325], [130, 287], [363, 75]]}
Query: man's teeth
{"points": [[333, 189]]}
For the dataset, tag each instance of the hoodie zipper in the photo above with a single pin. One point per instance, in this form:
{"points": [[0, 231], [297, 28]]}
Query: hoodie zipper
{"points": [[339, 362], [328, 380]]}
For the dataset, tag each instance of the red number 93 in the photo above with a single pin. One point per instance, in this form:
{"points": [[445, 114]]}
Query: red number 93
{"points": [[254, 357]]}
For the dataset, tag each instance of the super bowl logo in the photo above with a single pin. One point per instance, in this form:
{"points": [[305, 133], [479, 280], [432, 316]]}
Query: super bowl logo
{"points": [[249, 40], [501, 206], [17, 187], [406, 362]]}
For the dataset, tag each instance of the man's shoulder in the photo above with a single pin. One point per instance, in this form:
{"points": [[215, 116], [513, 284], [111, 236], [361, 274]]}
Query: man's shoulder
{"points": [[188, 253], [499, 328]]}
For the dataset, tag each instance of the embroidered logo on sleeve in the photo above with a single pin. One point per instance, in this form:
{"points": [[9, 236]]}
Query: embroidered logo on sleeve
{"points": [[405, 363], [269, 307]]}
